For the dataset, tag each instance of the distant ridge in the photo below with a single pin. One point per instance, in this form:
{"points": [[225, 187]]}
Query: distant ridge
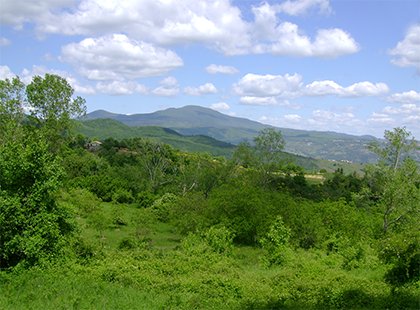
{"points": [[196, 120], [190, 116]]}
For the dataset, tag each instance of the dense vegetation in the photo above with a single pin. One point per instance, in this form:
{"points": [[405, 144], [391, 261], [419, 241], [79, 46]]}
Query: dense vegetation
{"points": [[137, 224]]}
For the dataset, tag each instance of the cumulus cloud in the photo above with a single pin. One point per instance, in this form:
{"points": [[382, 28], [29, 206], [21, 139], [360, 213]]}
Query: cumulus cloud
{"points": [[268, 89], [285, 38], [6, 73], [327, 87], [204, 89], [216, 24], [255, 85], [250, 100], [117, 57], [293, 118], [380, 118], [405, 97], [16, 13], [407, 51], [168, 87], [209, 22], [407, 109], [214, 69], [121, 88], [220, 106], [299, 7]]}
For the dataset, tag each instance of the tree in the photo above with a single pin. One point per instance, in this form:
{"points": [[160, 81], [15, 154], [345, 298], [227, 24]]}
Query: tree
{"points": [[52, 106], [397, 191], [265, 156], [397, 144], [12, 99], [33, 226], [396, 177]]}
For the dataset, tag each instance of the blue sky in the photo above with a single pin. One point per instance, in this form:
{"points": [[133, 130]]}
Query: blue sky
{"points": [[346, 66]]}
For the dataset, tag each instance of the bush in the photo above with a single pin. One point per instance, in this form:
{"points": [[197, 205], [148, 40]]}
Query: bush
{"points": [[122, 196], [276, 242], [220, 239], [163, 206]]}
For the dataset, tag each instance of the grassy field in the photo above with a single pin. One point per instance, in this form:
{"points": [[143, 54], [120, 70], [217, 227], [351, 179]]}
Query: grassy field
{"points": [[128, 259]]}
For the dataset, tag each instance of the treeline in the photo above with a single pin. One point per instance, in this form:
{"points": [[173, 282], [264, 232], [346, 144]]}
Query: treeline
{"points": [[256, 199]]}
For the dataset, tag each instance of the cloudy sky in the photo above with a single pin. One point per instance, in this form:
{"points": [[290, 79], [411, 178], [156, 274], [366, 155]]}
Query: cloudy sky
{"points": [[341, 65]]}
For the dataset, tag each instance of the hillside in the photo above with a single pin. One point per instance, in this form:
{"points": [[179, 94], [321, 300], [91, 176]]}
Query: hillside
{"points": [[195, 120], [106, 128]]}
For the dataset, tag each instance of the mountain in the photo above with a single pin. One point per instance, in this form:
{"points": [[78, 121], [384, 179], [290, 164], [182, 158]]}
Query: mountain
{"points": [[196, 120]]}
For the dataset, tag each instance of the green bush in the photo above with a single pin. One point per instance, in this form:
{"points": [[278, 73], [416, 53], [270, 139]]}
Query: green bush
{"points": [[276, 242], [121, 195], [163, 205]]}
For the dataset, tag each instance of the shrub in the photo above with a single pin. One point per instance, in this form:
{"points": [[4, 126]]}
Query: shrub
{"points": [[220, 239], [122, 196], [163, 205], [276, 242]]}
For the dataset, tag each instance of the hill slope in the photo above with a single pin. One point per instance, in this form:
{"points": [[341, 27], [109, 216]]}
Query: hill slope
{"points": [[195, 120], [106, 128]]}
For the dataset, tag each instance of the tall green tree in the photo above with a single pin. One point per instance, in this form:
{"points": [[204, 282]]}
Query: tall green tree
{"points": [[396, 188], [33, 227], [52, 106], [397, 144], [265, 156], [396, 177]]}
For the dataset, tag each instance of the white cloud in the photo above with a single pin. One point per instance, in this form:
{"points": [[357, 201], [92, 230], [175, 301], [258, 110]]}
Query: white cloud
{"points": [[213, 69], [220, 106], [293, 118], [216, 24], [407, 51], [117, 57], [250, 100], [121, 88], [257, 89], [168, 87], [255, 85], [328, 42], [164, 22], [405, 97], [407, 109], [204, 89], [6, 73], [286, 38], [333, 42], [299, 7], [169, 81], [4, 41], [381, 118], [327, 87], [16, 13]]}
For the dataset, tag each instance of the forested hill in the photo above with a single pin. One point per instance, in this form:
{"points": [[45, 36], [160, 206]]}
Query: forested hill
{"points": [[195, 120], [109, 128]]}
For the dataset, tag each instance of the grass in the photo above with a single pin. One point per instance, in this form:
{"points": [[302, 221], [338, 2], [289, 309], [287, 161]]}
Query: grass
{"points": [[154, 270]]}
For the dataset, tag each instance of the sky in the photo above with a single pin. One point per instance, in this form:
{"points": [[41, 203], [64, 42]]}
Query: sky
{"points": [[350, 66]]}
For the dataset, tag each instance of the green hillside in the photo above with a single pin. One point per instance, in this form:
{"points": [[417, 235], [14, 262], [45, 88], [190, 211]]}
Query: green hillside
{"points": [[106, 128], [195, 120]]}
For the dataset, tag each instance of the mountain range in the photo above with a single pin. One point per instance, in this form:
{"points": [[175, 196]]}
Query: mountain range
{"points": [[200, 121]]}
